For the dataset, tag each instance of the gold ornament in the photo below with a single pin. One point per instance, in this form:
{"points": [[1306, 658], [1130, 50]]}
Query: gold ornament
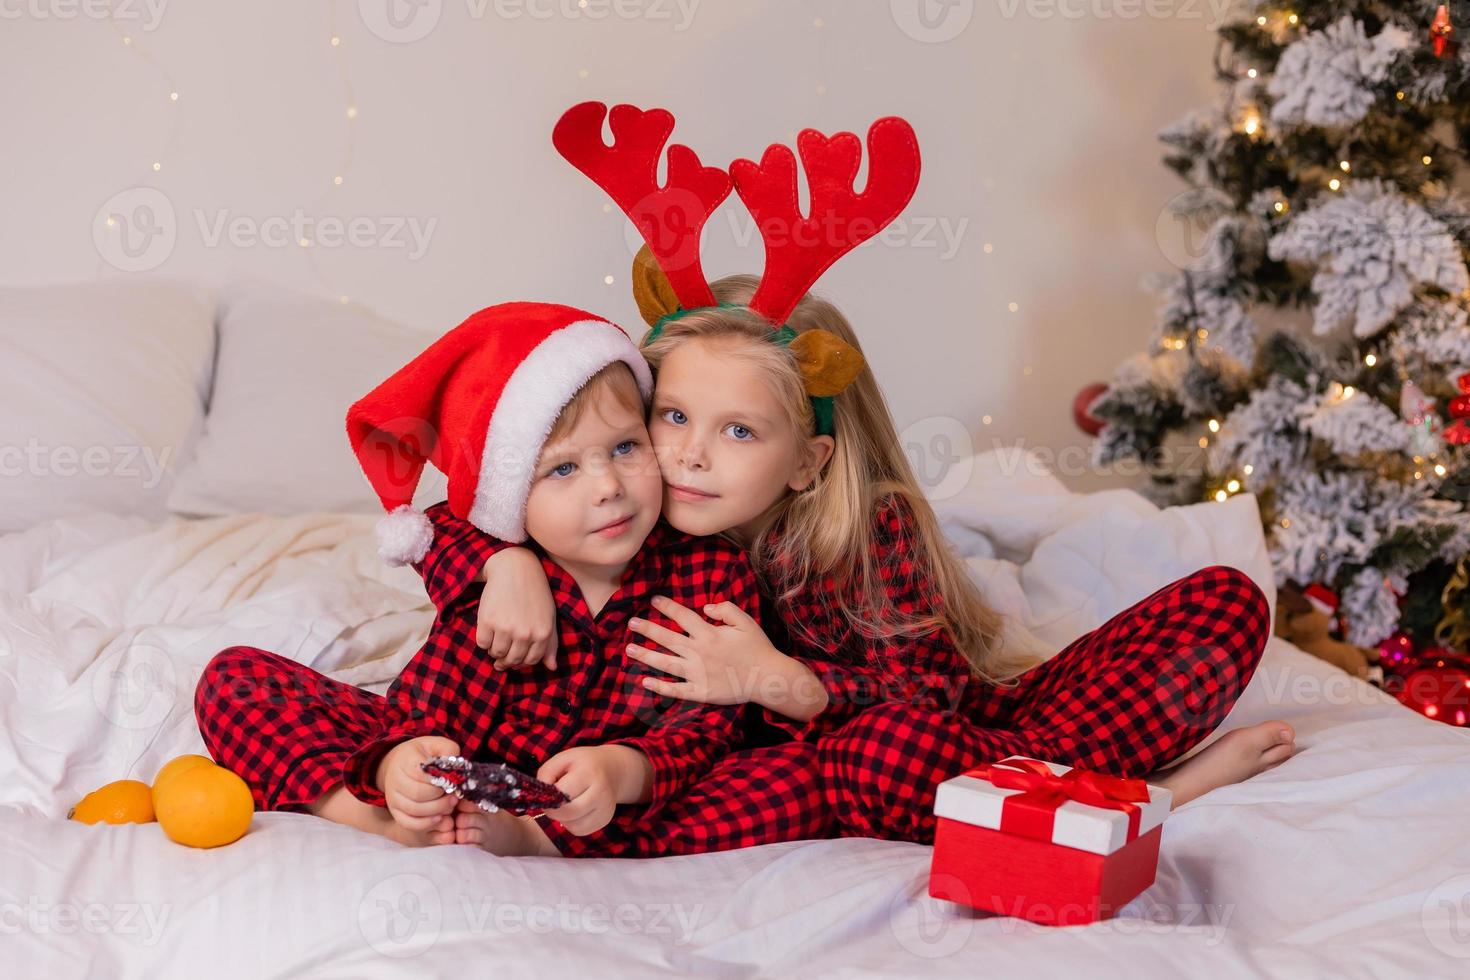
{"points": [[1453, 631]]}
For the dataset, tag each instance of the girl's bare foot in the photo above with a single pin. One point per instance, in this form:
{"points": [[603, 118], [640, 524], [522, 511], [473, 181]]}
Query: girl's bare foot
{"points": [[500, 833], [1234, 757]]}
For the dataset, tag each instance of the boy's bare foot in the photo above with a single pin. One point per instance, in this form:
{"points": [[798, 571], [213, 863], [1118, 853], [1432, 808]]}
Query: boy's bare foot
{"points": [[443, 832], [500, 833], [1234, 757], [340, 806]]}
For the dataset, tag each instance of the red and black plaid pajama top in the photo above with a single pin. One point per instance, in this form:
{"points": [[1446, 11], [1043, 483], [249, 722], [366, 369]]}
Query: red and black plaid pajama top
{"points": [[905, 714], [293, 733]]}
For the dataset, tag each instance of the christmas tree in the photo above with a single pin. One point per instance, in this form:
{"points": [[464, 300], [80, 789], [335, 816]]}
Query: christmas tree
{"points": [[1314, 349]]}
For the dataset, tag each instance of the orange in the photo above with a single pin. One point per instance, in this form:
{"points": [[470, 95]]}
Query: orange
{"points": [[204, 806], [123, 801], [175, 766]]}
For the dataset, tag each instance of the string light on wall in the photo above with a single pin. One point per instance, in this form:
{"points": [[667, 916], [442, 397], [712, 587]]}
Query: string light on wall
{"points": [[344, 165], [170, 96], [173, 92]]}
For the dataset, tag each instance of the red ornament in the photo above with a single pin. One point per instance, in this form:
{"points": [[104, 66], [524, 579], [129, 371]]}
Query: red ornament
{"points": [[1396, 654], [1439, 688], [1434, 682], [1457, 433], [1441, 30], [1082, 408]]}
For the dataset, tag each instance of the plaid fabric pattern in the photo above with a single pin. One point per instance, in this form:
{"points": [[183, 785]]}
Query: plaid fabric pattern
{"points": [[1124, 699], [292, 733], [754, 796], [860, 670]]}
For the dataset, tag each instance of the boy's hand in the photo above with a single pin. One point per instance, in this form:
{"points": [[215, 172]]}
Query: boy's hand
{"points": [[416, 803], [517, 617], [589, 775]]}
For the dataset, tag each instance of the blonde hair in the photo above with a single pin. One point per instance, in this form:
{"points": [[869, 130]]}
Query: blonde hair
{"points": [[617, 378], [828, 528]]}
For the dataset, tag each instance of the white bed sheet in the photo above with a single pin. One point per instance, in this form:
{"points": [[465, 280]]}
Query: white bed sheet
{"points": [[1350, 859]]}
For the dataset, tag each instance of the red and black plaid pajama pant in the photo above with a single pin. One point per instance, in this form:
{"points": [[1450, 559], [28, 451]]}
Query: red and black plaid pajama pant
{"points": [[287, 729], [1126, 698]]}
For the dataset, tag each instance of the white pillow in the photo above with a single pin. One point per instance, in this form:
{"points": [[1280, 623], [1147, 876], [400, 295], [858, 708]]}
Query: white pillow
{"points": [[275, 436], [102, 388]]}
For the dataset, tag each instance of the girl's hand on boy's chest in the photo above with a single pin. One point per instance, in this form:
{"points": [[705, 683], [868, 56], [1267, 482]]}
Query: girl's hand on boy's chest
{"points": [[717, 663]]}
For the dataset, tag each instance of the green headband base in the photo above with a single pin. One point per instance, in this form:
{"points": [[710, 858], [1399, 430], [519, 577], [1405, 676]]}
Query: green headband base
{"points": [[822, 406]]}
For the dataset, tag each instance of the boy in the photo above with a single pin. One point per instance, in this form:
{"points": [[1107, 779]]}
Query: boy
{"points": [[566, 460]]}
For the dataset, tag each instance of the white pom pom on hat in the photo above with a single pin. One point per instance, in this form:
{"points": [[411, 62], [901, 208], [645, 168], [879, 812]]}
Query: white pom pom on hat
{"points": [[478, 404], [404, 535]]}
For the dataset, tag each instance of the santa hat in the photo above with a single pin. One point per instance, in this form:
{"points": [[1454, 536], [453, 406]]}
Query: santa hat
{"points": [[1323, 599], [478, 404]]}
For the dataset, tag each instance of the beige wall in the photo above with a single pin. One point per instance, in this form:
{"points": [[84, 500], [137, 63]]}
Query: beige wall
{"points": [[1036, 122]]}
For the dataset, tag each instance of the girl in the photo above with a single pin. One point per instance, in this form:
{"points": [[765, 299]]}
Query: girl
{"points": [[890, 660]]}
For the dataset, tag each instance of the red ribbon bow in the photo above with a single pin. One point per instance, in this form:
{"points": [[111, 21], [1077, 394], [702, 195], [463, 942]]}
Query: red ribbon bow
{"points": [[1033, 811]]}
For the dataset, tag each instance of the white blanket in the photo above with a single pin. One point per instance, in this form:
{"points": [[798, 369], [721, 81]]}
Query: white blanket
{"points": [[1350, 858]]}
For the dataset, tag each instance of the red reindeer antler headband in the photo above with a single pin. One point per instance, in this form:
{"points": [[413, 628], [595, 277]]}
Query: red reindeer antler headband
{"points": [[667, 276]]}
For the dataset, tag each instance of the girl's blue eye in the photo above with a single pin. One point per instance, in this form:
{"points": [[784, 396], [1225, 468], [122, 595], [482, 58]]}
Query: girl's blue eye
{"points": [[624, 448], [563, 469], [675, 416], [740, 432]]}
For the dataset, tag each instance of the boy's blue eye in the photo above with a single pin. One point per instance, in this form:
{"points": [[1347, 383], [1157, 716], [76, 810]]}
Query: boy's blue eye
{"points": [[563, 469], [675, 416], [625, 447], [740, 432]]}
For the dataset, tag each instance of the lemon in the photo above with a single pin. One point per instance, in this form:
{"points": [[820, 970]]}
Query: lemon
{"points": [[203, 806], [123, 801]]}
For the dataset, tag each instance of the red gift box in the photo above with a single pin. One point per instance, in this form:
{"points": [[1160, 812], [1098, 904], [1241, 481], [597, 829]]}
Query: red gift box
{"points": [[1045, 842]]}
